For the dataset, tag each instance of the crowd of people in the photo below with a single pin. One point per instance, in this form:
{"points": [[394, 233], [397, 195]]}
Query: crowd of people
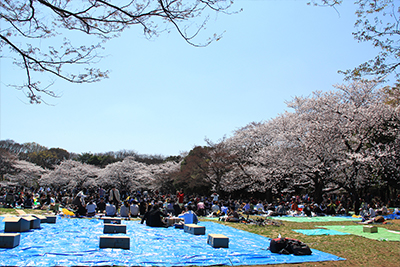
{"points": [[153, 206]]}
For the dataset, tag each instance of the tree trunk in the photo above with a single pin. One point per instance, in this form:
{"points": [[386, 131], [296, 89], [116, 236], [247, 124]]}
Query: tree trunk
{"points": [[318, 191], [357, 204]]}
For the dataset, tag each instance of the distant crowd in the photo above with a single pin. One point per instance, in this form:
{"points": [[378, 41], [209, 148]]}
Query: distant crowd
{"points": [[112, 202]]}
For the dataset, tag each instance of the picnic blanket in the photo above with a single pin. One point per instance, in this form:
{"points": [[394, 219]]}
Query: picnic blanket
{"points": [[72, 242], [303, 219], [382, 235], [319, 232]]}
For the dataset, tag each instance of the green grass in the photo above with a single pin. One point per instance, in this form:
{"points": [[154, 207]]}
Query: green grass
{"points": [[4, 211], [357, 250]]}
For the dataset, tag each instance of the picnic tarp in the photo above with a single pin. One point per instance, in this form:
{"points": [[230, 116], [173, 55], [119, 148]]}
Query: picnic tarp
{"points": [[76, 242], [382, 235], [303, 219], [319, 232]]}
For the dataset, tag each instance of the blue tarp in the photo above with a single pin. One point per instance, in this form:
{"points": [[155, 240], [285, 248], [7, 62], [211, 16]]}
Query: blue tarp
{"points": [[319, 232], [76, 242], [392, 216]]}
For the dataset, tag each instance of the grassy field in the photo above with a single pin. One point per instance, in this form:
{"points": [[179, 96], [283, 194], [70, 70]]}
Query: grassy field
{"points": [[358, 251]]}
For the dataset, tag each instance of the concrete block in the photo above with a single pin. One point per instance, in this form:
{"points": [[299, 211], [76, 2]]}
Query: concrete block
{"points": [[16, 224], [218, 240], [110, 228], [8, 240], [194, 229], [370, 229], [43, 219], [51, 218], [111, 220], [34, 222], [114, 242]]}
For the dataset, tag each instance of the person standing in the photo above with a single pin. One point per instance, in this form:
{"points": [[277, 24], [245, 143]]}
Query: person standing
{"points": [[180, 196], [114, 197]]}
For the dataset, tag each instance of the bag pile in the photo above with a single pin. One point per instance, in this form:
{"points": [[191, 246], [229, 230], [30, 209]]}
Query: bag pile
{"points": [[284, 245]]}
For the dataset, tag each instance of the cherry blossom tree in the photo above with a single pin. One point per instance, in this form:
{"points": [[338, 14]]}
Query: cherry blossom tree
{"points": [[26, 174], [71, 174], [252, 167], [127, 174], [352, 117], [163, 175]]}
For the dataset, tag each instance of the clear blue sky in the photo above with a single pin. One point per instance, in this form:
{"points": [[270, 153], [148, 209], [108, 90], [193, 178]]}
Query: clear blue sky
{"points": [[165, 96]]}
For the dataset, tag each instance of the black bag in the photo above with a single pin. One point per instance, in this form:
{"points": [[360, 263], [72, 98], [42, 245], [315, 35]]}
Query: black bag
{"points": [[277, 244], [289, 246], [297, 247]]}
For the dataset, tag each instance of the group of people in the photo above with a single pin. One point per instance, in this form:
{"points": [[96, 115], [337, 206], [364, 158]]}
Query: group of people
{"points": [[149, 205]]}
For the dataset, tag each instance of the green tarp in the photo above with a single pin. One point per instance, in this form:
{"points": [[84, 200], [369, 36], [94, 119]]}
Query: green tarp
{"points": [[316, 219], [319, 232], [382, 235]]}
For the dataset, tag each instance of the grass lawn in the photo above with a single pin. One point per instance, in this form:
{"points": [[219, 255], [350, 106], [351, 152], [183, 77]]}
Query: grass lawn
{"points": [[357, 250]]}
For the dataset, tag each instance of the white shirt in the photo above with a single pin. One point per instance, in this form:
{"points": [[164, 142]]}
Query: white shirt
{"points": [[134, 209], [91, 208], [110, 210], [124, 211]]}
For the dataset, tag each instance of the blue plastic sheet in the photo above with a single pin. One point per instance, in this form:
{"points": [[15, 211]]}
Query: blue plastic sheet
{"points": [[319, 232], [76, 242], [392, 217]]}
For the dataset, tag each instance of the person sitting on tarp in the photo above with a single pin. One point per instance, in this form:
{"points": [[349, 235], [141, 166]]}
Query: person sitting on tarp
{"points": [[79, 204], [154, 217], [124, 211], [316, 209], [233, 216], [111, 210], [101, 205], [189, 216], [307, 210], [91, 208]]}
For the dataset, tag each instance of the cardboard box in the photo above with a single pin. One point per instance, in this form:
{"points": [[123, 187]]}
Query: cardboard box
{"points": [[16, 224], [111, 220], [43, 219], [370, 229], [8, 240], [194, 229], [34, 222], [110, 228], [114, 242], [51, 218], [218, 240]]}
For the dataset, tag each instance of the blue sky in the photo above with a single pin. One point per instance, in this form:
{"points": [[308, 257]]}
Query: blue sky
{"points": [[165, 96]]}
